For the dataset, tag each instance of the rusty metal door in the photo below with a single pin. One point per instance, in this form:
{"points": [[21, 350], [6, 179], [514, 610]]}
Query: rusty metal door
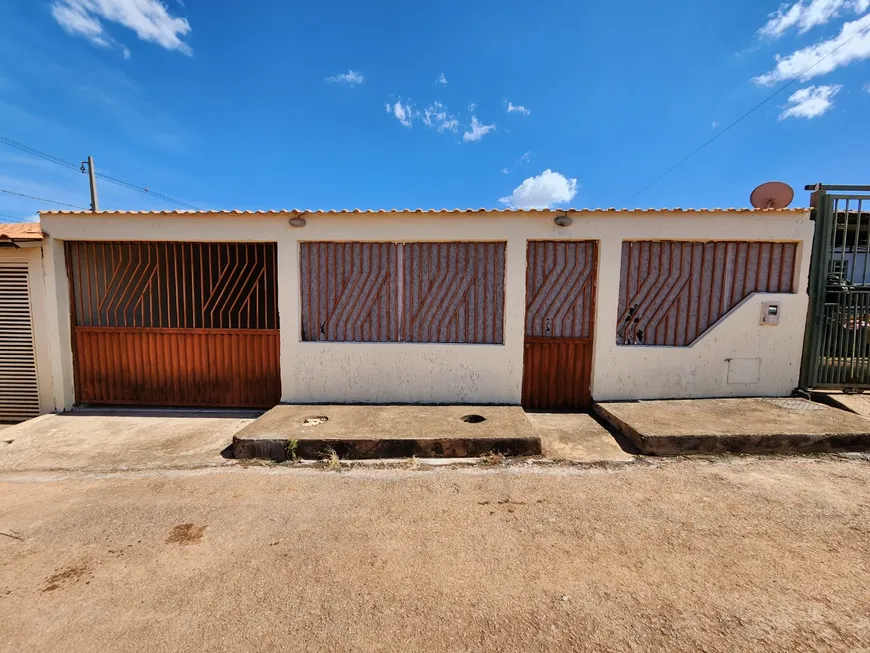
{"points": [[186, 324], [561, 281]]}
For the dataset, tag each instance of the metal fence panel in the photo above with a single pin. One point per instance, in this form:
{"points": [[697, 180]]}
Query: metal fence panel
{"points": [[453, 292], [349, 292], [673, 291], [560, 288], [174, 285], [837, 343]]}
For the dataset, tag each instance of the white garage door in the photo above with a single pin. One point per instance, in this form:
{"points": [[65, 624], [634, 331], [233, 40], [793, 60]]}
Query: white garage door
{"points": [[19, 396]]}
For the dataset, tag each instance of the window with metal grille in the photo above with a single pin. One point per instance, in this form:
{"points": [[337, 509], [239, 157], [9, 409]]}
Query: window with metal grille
{"points": [[671, 292], [173, 285], [403, 292]]}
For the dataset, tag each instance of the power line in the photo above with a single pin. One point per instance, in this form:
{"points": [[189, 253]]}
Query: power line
{"points": [[41, 199], [741, 118], [35, 152], [12, 217], [72, 166]]}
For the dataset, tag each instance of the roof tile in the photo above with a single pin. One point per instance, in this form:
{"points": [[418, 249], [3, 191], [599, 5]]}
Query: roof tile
{"points": [[429, 211], [20, 231]]}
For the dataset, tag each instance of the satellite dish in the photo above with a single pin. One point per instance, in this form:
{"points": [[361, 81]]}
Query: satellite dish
{"points": [[772, 195]]}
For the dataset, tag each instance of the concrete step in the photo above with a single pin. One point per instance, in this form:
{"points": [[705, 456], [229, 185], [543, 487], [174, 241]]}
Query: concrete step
{"points": [[396, 431], [750, 425]]}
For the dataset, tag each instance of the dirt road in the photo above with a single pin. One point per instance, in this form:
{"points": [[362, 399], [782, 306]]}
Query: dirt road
{"points": [[738, 554]]}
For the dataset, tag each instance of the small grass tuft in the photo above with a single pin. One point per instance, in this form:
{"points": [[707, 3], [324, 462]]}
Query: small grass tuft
{"points": [[331, 460], [493, 458], [292, 446]]}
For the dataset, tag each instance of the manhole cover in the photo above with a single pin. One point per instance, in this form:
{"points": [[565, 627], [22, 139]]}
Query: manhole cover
{"points": [[794, 404], [314, 421], [473, 419]]}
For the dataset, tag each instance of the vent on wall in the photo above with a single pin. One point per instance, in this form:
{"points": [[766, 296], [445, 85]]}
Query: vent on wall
{"points": [[19, 395]]}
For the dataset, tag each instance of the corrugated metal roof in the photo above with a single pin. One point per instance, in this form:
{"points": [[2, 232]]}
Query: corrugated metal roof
{"points": [[427, 211], [20, 231]]}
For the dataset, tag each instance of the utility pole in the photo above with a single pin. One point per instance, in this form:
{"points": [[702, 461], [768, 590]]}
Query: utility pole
{"points": [[91, 176]]}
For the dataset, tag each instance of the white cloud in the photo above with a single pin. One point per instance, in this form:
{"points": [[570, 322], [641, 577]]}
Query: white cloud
{"points": [[867, 87], [541, 192], [505, 171], [472, 107], [403, 112], [525, 158], [715, 124], [810, 102], [806, 14], [851, 44], [437, 116], [442, 79], [149, 19], [477, 130], [518, 108], [76, 21], [352, 78]]}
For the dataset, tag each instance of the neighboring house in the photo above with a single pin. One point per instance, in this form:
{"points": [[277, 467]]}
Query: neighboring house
{"points": [[25, 370], [545, 308]]}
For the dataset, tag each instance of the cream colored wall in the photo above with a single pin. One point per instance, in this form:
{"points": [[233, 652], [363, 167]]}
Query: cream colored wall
{"points": [[31, 255], [368, 372]]}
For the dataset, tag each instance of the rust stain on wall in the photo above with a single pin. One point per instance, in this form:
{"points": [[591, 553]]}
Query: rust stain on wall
{"points": [[672, 291]]}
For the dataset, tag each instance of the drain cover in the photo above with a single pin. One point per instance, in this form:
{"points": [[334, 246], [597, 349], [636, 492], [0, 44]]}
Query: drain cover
{"points": [[314, 421], [794, 404]]}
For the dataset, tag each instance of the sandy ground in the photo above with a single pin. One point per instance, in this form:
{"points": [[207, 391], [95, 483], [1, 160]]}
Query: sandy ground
{"points": [[733, 554]]}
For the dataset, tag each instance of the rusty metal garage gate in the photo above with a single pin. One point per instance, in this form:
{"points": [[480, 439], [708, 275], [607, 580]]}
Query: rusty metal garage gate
{"points": [[186, 324], [560, 312]]}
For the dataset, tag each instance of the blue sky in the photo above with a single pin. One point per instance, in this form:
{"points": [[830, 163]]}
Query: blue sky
{"points": [[270, 104]]}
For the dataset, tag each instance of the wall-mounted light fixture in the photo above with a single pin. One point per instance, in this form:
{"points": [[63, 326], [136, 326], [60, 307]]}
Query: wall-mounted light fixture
{"points": [[298, 221], [563, 220]]}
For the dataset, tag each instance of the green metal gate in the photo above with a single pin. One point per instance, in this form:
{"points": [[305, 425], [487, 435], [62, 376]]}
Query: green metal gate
{"points": [[837, 343]]}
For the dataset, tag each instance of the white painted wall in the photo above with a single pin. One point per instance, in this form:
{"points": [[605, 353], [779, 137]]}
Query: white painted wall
{"points": [[31, 256], [408, 372]]}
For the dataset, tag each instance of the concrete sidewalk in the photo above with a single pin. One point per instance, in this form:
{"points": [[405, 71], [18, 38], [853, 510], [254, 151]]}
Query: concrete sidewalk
{"points": [[388, 431], [855, 403], [145, 439], [112, 440], [751, 425]]}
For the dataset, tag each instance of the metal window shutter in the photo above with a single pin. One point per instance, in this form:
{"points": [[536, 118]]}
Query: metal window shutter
{"points": [[19, 394]]}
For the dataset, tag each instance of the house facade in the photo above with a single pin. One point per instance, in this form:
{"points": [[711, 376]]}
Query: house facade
{"points": [[549, 309]]}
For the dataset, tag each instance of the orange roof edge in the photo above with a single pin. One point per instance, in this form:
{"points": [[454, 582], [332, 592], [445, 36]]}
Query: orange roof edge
{"points": [[21, 231], [427, 211]]}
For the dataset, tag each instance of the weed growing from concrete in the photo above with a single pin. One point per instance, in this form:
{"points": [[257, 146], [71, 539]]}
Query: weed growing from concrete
{"points": [[331, 460], [492, 458], [292, 446]]}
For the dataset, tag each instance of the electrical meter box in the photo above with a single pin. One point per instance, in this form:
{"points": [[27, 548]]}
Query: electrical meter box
{"points": [[770, 313]]}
